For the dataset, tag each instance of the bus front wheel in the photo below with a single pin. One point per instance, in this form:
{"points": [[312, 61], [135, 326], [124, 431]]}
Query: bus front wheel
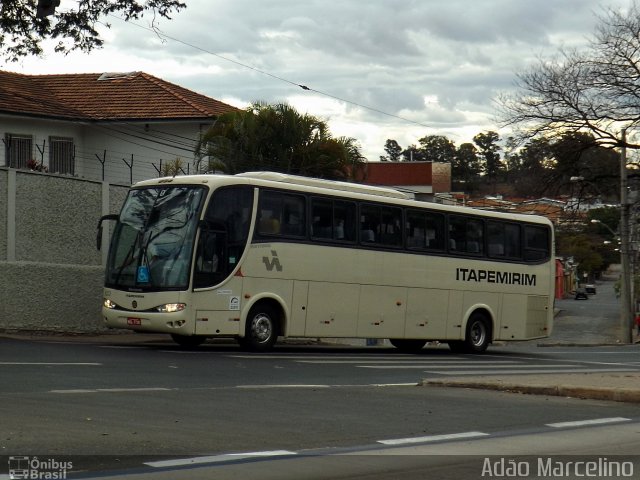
{"points": [[262, 328], [477, 337], [407, 345]]}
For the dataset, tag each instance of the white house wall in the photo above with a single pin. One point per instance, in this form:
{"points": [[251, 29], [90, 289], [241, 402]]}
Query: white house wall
{"points": [[150, 146], [115, 143]]}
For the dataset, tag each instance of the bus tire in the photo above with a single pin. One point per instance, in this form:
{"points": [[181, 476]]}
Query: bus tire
{"points": [[261, 331], [407, 345], [477, 337], [188, 341]]}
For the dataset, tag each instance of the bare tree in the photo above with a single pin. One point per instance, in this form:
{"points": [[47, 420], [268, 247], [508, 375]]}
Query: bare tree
{"points": [[595, 90]]}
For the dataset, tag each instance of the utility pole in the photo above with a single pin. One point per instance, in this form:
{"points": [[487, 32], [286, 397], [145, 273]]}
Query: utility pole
{"points": [[626, 311]]}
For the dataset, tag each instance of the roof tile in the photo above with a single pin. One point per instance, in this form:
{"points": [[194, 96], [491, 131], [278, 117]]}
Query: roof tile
{"points": [[104, 97]]}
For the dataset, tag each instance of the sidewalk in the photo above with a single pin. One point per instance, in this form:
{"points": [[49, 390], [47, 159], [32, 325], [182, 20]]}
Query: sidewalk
{"points": [[570, 330], [615, 386]]}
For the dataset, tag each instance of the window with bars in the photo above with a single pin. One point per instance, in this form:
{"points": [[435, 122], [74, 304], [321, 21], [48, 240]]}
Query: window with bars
{"points": [[18, 150], [61, 155]]}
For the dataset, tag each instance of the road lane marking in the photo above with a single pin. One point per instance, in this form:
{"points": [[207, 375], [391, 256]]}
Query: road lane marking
{"points": [[408, 360], [181, 462], [596, 421], [114, 390], [413, 384], [470, 366], [433, 438], [53, 364], [284, 386], [363, 358]]}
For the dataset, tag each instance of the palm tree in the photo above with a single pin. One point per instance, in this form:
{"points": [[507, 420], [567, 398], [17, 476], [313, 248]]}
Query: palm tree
{"points": [[277, 138]]}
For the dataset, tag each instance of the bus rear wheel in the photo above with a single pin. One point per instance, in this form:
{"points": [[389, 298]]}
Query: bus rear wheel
{"points": [[187, 341], [261, 331], [407, 345], [477, 337]]}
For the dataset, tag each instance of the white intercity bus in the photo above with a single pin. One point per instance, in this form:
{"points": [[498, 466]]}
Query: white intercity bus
{"points": [[260, 255]]}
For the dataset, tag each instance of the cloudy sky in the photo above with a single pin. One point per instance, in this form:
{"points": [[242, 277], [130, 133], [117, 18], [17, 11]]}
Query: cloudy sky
{"points": [[437, 64]]}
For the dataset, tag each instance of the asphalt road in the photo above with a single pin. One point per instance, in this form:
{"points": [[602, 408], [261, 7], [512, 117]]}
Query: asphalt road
{"points": [[150, 408]]}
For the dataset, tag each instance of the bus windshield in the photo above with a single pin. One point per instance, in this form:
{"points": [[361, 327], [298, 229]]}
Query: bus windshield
{"points": [[153, 241]]}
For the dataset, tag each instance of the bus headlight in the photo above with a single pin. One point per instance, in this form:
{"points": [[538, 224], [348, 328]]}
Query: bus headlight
{"points": [[171, 307], [109, 304]]}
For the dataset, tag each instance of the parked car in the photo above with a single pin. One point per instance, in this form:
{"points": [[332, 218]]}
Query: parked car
{"points": [[581, 293], [591, 289]]}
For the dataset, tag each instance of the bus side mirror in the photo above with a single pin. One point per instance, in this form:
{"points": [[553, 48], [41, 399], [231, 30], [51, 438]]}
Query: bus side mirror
{"points": [[99, 233]]}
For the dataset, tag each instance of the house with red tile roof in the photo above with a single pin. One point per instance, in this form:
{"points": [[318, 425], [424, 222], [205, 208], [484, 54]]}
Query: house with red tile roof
{"points": [[114, 127]]}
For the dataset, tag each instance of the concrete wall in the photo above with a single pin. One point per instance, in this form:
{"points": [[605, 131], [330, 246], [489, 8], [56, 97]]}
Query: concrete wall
{"points": [[50, 271]]}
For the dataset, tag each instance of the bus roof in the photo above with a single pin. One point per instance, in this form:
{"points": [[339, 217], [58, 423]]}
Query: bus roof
{"points": [[321, 183], [292, 181]]}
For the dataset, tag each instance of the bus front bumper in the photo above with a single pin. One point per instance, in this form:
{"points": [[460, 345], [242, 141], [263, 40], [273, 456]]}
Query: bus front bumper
{"points": [[152, 322]]}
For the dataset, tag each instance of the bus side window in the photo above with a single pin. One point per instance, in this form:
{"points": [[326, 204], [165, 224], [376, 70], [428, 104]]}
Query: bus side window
{"points": [[503, 240], [269, 213], [281, 214], [321, 213], [269, 224], [536, 243], [390, 231], [344, 221], [435, 231], [293, 217], [475, 236], [416, 230], [425, 230], [466, 235], [223, 236], [512, 241], [369, 223]]}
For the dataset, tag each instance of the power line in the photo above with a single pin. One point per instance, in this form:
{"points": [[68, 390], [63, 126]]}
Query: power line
{"points": [[161, 34]]}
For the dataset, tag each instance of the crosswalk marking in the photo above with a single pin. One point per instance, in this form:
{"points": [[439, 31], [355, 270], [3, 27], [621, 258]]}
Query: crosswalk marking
{"points": [[471, 367], [422, 362], [451, 365]]}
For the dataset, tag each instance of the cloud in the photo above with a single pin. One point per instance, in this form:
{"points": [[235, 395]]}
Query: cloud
{"points": [[385, 54]]}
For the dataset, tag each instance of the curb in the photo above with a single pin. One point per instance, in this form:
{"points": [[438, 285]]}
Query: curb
{"points": [[629, 395]]}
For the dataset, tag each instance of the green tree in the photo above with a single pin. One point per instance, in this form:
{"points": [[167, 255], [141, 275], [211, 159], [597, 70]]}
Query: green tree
{"points": [[22, 32], [489, 150], [465, 168], [584, 249], [605, 217], [394, 151], [577, 155], [437, 148], [532, 176], [413, 154], [277, 138]]}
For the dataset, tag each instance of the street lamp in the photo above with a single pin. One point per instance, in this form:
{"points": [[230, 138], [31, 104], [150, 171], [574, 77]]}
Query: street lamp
{"points": [[594, 220]]}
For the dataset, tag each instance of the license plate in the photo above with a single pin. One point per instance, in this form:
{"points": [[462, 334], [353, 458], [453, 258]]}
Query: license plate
{"points": [[134, 321]]}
